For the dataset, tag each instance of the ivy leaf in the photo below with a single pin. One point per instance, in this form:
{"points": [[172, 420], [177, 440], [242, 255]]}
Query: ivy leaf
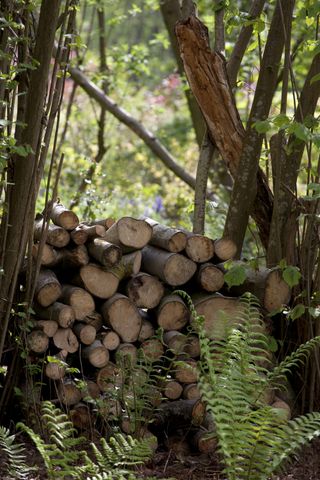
{"points": [[235, 276], [291, 275], [297, 311]]}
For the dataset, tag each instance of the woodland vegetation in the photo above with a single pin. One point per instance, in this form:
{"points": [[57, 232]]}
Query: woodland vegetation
{"points": [[159, 159]]}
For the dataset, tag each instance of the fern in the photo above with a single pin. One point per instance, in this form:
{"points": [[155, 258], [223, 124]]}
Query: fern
{"points": [[119, 456], [14, 456], [254, 439], [58, 453]]}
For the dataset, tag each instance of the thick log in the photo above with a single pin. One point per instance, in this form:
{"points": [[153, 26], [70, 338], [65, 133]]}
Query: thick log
{"points": [[109, 377], [56, 367], [129, 264], [49, 327], [120, 314], [65, 339], [186, 411], [80, 416], [147, 329], [105, 252], [49, 256], [86, 333], [175, 341], [94, 319], [192, 347], [48, 288], [210, 277], [172, 268], [73, 257], [224, 249], [96, 354], [38, 341], [68, 393], [79, 299], [219, 312], [172, 313], [105, 222], [109, 339], [205, 442], [172, 389], [83, 233], [59, 312], [90, 390], [145, 290], [97, 280], [152, 349], [129, 232], [191, 392], [199, 248], [267, 285], [63, 217], [186, 371], [170, 239], [126, 355], [56, 236]]}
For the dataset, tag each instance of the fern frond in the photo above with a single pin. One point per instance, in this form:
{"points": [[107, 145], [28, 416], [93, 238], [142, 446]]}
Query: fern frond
{"points": [[14, 456]]}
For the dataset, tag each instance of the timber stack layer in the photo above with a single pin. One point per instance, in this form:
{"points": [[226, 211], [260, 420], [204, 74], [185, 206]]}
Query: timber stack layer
{"points": [[105, 288]]}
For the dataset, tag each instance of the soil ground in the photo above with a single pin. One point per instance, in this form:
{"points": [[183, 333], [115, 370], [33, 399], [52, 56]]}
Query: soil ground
{"points": [[166, 465]]}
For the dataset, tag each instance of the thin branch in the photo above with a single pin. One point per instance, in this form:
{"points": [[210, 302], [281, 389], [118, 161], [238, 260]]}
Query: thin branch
{"points": [[124, 117]]}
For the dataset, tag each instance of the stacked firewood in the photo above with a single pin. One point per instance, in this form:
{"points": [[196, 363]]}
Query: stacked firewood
{"points": [[103, 291]]}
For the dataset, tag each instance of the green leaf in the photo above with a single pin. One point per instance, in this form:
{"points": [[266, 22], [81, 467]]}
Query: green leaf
{"points": [[315, 78], [297, 311], [262, 126], [281, 121], [272, 344], [291, 275], [235, 276]]}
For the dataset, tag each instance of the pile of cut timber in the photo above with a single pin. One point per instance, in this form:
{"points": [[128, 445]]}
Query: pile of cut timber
{"points": [[103, 290]]}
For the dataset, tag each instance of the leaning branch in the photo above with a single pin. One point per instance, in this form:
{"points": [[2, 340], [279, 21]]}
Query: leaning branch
{"points": [[124, 117]]}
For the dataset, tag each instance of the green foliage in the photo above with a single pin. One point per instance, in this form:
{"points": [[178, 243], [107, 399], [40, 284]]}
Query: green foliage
{"points": [[58, 449], [254, 438], [235, 275], [13, 458]]}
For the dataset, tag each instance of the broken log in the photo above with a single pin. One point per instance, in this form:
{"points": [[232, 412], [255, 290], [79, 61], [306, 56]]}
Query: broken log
{"points": [[170, 239], [152, 349], [59, 312], [224, 249], [120, 314], [129, 232], [210, 277], [147, 329], [56, 236], [82, 233], [172, 313], [96, 354], [205, 442], [186, 371], [37, 341], [49, 256], [172, 268], [199, 248], [105, 252], [109, 377], [85, 333], [109, 339], [145, 290], [65, 339], [186, 411], [80, 416], [219, 312], [191, 391], [172, 389], [79, 299], [68, 393], [48, 288], [129, 265], [56, 366], [94, 319], [63, 217], [99, 281], [49, 327], [192, 347]]}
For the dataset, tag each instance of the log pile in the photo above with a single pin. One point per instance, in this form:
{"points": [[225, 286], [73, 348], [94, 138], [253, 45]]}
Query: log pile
{"points": [[104, 289]]}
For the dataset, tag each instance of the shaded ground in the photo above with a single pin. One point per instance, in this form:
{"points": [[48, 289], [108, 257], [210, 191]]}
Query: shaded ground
{"points": [[166, 465]]}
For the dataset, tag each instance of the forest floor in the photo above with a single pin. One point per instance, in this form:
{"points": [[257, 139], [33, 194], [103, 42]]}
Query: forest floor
{"points": [[166, 465]]}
